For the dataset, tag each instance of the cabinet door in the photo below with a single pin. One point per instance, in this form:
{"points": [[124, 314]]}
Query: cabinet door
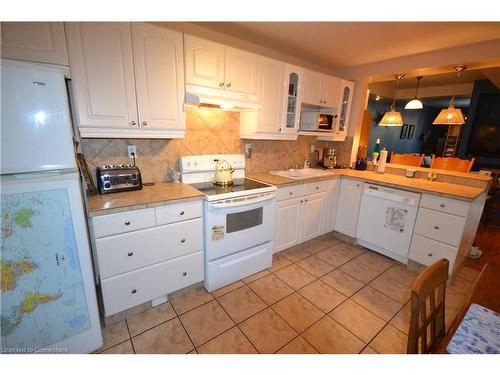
{"points": [[159, 77], [204, 62], [348, 206], [332, 199], [312, 88], [240, 71], [344, 109], [330, 91], [292, 98], [287, 224], [270, 92], [103, 75], [35, 41], [312, 217]]}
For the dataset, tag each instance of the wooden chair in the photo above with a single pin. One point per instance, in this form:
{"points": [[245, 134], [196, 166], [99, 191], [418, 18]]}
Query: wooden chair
{"points": [[407, 159], [452, 164], [427, 327]]}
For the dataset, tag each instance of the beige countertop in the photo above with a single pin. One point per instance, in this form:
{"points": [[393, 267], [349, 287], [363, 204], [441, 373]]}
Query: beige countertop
{"points": [[386, 179], [159, 194]]}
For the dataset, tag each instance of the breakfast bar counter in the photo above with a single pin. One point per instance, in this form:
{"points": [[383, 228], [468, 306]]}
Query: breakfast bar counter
{"points": [[391, 180]]}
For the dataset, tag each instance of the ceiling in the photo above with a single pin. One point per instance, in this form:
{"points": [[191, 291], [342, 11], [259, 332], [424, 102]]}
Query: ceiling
{"points": [[468, 76], [341, 44]]}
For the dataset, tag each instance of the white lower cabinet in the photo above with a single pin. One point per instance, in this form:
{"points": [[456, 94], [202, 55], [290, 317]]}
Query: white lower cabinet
{"points": [[332, 200], [312, 217], [299, 214], [445, 228], [159, 251], [348, 206], [134, 288], [287, 226]]}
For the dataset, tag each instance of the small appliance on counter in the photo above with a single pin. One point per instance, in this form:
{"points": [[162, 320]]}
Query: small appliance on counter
{"points": [[317, 121], [223, 173], [115, 178], [329, 158]]}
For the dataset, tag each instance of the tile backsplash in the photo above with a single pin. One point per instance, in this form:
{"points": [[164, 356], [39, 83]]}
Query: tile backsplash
{"points": [[208, 131]]}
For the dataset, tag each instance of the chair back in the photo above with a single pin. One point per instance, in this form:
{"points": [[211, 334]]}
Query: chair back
{"points": [[407, 159], [427, 326], [452, 164]]}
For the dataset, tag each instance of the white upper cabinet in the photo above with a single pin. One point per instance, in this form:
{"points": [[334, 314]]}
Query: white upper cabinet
{"points": [[213, 65], [159, 77], [35, 41], [127, 85], [344, 109], [103, 75], [312, 88], [204, 62], [240, 71], [292, 99], [330, 91], [321, 89], [270, 92]]}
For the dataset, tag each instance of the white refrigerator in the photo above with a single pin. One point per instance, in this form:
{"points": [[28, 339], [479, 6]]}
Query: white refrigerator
{"points": [[48, 298]]}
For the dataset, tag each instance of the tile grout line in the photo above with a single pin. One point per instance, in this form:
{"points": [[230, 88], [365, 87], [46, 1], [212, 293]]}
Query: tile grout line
{"points": [[184, 328], [130, 336]]}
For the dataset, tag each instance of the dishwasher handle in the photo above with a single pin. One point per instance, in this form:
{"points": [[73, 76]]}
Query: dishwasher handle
{"points": [[389, 194]]}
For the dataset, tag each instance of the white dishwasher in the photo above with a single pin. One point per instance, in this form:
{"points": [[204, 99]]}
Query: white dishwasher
{"points": [[386, 220]]}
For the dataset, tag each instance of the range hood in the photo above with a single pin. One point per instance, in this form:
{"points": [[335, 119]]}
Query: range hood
{"points": [[203, 97]]}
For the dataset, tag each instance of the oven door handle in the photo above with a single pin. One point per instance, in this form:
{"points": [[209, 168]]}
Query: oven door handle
{"points": [[244, 202]]}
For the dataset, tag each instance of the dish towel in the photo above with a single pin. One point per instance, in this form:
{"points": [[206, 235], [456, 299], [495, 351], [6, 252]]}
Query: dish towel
{"points": [[478, 333]]}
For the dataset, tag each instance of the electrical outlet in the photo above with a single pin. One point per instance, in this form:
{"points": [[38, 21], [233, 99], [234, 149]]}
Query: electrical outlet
{"points": [[248, 150], [132, 150]]}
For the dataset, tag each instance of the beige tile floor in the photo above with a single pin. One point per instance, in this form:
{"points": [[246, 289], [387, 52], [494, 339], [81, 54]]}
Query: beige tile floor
{"points": [[323, 296]]}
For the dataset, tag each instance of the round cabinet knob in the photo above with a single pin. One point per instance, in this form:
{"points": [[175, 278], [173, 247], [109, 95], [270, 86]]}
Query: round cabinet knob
{"points": [[183, 240], [184, 274], [302, 201], [228, 84], [130, 253], [436, 226], [290, 192], [181, 213], [127, 222], [321, 101], [443, 205], [281, 129], [358, 185], [429, 254], [134, 291], [317, 187], [144, 123], [221, 84], [132, 123]]}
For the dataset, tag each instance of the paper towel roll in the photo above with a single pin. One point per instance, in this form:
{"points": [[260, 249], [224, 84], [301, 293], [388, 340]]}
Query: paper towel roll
{"points": [[381, 161]]}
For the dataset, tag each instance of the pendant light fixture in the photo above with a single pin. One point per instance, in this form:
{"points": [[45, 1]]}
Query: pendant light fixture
{"points": [[451, 115], [415, 103], [393, 117]]}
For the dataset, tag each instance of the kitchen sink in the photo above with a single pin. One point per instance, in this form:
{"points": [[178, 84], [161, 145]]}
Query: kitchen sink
{"points": [[301, 173]]}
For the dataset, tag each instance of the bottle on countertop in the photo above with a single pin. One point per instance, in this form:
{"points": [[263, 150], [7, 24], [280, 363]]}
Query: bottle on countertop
{"points": [[376, 152]]}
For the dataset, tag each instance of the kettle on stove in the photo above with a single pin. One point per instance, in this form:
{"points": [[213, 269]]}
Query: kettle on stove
{"points": [[223, 173]]}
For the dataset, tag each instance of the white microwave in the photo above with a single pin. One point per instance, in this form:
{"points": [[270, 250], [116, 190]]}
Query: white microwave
{"points": [[317, 121]]}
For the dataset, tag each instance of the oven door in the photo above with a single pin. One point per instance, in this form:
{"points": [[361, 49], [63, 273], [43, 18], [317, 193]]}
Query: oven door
{"points": [[238, 224]]}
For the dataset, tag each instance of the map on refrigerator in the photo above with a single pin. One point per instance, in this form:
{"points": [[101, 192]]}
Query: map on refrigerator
{"points": [[42, 292]]}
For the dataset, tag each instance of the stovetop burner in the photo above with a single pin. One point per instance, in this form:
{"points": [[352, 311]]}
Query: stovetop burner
{"points": [[238, 186]]}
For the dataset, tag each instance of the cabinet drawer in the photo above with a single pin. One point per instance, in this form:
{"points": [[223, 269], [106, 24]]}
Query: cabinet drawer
{"points": [[316, 187], [177, 212], [289, 192], [108, 225], [439, 226], [133, 288], [130, 251], [447, 205], [426, 251]]}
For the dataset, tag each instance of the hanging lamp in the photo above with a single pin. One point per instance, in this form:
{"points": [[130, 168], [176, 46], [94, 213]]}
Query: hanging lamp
{"points": [[451, 115], [393, 117], [415, 103]]}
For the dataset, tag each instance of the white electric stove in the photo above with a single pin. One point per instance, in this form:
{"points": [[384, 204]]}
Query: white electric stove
{"points": [[238, 220]]}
